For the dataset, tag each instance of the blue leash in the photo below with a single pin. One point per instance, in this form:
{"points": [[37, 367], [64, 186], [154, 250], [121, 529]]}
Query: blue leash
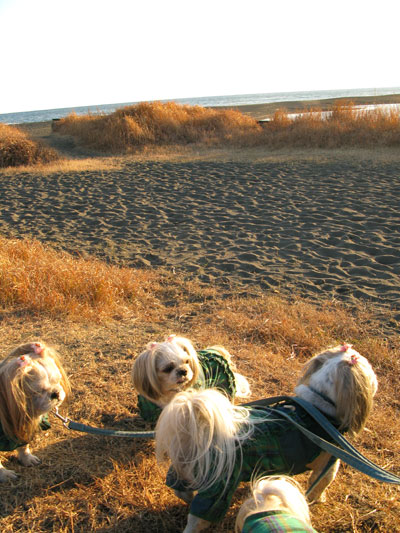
{"points": [[76, 426], [346, 452]]}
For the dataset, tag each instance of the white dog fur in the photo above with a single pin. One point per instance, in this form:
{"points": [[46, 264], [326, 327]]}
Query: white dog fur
{"points": [[202, 433], [32, 382], [169, 367], [275, 493]]}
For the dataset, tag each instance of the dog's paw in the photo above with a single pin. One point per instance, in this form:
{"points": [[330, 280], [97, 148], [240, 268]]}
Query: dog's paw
{"points": [[28, 459], [7, 475]]}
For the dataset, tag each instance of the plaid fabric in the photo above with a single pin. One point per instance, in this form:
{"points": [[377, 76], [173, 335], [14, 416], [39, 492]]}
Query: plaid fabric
{"points": [[275, 447], [8, 444], [215, 372], [275, 522], [148, 410]]}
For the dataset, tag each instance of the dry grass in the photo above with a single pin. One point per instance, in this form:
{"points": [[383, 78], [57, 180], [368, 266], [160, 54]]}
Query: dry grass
{"points": [[157, 125], [155, 130], [99, 317], [345, 125], [149, 124], [17, 149]]}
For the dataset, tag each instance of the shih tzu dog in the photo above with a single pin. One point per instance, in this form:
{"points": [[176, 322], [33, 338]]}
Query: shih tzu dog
{"points": [[32, 383], [166, 368], [276, 504], [214, 445]]}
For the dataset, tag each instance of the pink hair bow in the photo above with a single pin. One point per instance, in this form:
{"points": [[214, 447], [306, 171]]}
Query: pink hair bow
{"points": [[353, 360], [170, 337], [38, 348], [345, 347], [23, 361]]}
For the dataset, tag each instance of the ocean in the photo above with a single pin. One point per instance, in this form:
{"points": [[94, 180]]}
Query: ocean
{"points": [[206, 101]]}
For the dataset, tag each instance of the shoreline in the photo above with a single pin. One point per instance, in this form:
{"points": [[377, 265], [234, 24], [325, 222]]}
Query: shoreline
{"points": [[260, 111]]}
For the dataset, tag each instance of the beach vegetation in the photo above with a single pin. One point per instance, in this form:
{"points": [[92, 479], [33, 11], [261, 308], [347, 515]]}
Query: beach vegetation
{"points": [[16, 149], [100, 316], [344, 125], [154, 124], [157, 124]]}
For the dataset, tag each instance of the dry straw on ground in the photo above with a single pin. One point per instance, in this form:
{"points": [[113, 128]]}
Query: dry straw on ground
{"points": [[88, 483]]}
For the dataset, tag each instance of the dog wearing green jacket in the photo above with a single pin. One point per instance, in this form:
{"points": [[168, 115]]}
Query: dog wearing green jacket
{"points": [[276, 504], [165, 368], [214, 445]]}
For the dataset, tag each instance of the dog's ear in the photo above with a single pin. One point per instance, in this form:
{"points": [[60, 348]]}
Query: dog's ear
{"points": [[355, 389], [144, 375], [311, 367], [14, 418]]}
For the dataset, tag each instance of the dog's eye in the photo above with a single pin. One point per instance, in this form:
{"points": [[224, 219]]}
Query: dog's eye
{"points": [[186, 362], [168, 368]]}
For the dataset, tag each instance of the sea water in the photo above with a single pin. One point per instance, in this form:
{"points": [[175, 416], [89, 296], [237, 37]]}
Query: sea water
{"points": [[206, 101]]}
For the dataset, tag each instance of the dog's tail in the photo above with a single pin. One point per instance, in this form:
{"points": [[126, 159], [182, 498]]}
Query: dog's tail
{"points": [[201, 433], [272, 494], [242, 386]]}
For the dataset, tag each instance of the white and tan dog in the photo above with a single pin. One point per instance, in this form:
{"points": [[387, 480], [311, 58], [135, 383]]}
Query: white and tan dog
{"points": [[166, 368], [214, 445], [32, 383], [276, 504]]}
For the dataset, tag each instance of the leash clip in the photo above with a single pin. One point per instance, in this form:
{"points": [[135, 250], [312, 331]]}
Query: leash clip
{"points": [[64, 419]]}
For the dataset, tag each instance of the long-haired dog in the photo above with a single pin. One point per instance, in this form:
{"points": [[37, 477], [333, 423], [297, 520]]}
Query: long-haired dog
{"points": [[214, 445], [165, 368], [32, 383], [276, 504]]}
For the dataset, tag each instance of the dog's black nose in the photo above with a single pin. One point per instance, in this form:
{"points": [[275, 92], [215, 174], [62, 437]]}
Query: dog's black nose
{"points": [[54, 396], [182, 372]]}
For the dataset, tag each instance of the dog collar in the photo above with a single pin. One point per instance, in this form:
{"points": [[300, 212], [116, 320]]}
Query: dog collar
{"points": [[322, 395]]}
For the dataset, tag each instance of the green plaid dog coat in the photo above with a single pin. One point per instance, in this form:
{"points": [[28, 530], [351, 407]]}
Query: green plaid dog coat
{"points": [[8, 444], [215, 372], [275, 522], [276, 447]]}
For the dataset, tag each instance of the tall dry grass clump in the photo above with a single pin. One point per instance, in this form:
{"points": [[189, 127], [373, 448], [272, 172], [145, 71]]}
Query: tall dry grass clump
{"points": [[16, 149], [344, 125], [156, 123], [39, 279]]}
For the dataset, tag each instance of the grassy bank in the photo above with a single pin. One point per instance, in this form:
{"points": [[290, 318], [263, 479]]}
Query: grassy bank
{"points": [[100, 317]]}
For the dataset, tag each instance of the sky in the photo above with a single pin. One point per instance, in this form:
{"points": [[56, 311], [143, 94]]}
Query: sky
{"points": [[66, 53]]}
